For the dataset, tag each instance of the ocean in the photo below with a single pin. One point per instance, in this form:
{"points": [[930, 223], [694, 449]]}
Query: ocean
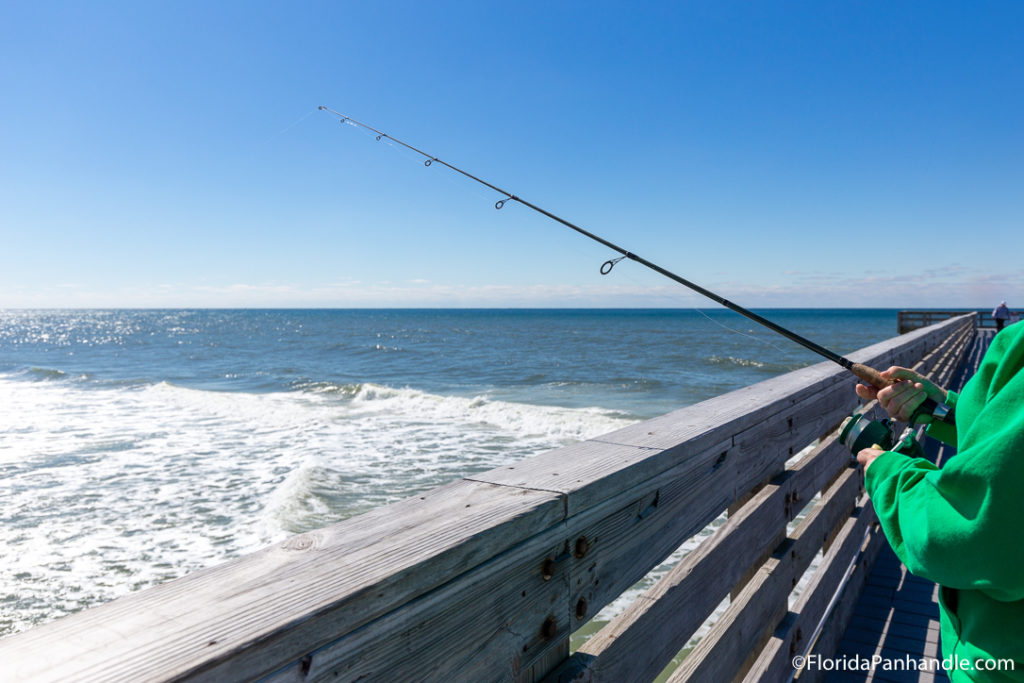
{"points": [[139, 445]]}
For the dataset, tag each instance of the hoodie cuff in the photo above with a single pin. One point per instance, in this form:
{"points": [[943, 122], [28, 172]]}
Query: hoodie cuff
{"points": [[884, 466]]}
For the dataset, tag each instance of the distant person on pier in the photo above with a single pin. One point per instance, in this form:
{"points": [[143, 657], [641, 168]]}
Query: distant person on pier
{"points": [[960, 525], [1001, 314]]}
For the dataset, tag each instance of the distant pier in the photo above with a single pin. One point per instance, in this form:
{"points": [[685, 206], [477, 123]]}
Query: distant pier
{"points": [[909, 321]]}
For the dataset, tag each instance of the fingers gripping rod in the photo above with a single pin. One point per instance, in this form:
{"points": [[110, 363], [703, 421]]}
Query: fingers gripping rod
{"points": [[863, 372]]}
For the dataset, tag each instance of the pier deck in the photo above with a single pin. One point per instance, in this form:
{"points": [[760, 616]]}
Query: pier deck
{"points": [[897, 616]]}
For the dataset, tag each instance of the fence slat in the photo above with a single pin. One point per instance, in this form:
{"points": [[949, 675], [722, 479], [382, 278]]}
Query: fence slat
{"points": [[720, 654], [643, 639], [774, 662]]}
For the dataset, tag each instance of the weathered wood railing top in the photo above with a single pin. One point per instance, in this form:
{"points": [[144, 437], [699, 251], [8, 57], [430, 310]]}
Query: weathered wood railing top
{"points": [[486, 578]]}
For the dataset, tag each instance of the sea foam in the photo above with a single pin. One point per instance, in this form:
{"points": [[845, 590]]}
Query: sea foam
{"points": [[113, 488]]}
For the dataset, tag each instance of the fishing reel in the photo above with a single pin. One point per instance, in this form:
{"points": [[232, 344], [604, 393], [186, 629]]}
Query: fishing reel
{"points": [[859, 431]]}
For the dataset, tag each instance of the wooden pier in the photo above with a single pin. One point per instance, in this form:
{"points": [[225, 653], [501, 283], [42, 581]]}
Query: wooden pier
{"points": [[487, 578]]}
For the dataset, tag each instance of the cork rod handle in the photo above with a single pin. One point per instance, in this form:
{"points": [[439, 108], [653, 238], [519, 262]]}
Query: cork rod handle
{"points": [[870, 376]]}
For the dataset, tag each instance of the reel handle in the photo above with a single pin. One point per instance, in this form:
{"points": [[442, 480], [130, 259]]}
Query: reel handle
{"points": [[870, 376]]}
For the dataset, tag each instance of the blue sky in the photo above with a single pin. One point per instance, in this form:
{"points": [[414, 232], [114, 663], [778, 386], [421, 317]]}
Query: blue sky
{"points": [[780, 153]]}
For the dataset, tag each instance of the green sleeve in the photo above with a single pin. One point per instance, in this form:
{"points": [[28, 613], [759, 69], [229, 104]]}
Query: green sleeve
{"points": [[960, 525], [943, 431]]}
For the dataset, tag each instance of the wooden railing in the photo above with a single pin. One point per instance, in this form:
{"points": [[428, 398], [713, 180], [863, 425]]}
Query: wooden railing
{"points": [[913, 320], [486, 578]]}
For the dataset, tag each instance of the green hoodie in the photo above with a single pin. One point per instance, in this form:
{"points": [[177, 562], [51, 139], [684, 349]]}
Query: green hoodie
{"points": [[960, 526]]}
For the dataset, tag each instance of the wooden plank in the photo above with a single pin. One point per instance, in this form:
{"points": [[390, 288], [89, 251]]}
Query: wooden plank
{"points": [[943, 357], [941, 363], [780, 535], [256, 614], [720, 654], [918, 599], [831, 633], [924, 591], [873, 626], [774, 662], [916, 645], [491, 623], [625, 545], [640, 642]]}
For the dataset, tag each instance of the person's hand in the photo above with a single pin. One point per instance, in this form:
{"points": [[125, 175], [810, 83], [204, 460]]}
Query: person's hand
{"points": [[901, 399], [867, 456]]}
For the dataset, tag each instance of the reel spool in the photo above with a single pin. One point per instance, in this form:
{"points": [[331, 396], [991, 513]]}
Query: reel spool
{"points": [[859, 432]]}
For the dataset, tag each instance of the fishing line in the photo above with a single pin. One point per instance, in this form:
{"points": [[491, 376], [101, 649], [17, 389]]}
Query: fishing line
{"points": [[403, 151], [742, 334], [869, 375], [290, 126], [671, 298], [675, 301]]}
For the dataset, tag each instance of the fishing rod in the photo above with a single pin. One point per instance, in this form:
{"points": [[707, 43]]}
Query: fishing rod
{"points": [[863, 372]]}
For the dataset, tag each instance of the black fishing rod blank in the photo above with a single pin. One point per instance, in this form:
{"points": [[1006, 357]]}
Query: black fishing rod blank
{"points": [[869, 375]]}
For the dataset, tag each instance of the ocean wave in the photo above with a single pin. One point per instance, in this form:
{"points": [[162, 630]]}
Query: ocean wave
{"points": [[344, 390], [732, 360], [294, 501], [521, 419], [59, 377], [43, 374], [385, 407], [213, 474], [618, 383]]}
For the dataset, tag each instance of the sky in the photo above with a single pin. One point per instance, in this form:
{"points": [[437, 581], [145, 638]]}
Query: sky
{"points": [[780, 153]]}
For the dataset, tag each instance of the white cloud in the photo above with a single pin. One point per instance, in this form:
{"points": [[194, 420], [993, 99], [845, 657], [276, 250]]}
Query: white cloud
{"points": [[945, 286]]}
